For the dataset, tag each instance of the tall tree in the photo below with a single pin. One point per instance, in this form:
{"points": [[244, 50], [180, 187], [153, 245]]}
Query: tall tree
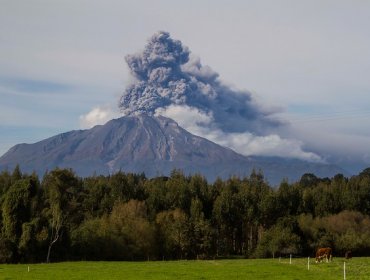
{"points": [[201, 231], [61, 188], [16, 208], [173, 227]]}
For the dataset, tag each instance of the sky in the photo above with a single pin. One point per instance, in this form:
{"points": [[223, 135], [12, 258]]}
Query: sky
{"points": [[306, 62]]}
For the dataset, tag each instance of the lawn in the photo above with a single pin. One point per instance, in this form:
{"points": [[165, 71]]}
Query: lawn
{"points": [[357, 268]]}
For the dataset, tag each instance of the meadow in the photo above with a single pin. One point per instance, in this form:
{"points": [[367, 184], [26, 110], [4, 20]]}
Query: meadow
{"points": [[356, 268]]}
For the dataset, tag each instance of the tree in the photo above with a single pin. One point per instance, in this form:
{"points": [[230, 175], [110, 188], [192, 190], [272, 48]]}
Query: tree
{"points": [[173, 228], [33, 240], [98, 198], [5, 183], [17, 174], [20, 203], [130, 221], [90, 241], [156, 196], [128, 186], [228, 212], [16, 208], [289, 199], [278, 239], [61, 190], [178, 191], [308, 180], [7, 251], [258, 210], [201, 231]]}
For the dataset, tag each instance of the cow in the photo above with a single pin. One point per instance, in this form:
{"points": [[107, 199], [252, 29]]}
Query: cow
{"points": [[348, 255], [323, 253]]}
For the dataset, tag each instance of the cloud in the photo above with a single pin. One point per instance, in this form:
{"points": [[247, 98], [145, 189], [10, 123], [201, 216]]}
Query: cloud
{"points": [[345, 143], [187, 117], [98, 115], [245, 143], [34, 86]]}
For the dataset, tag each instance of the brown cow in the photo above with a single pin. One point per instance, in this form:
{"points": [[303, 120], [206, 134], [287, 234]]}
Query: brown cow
{"points": [[323, 253], [348, 255]]}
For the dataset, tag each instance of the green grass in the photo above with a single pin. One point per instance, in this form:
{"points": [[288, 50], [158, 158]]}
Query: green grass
{"points": [[357, 268]]}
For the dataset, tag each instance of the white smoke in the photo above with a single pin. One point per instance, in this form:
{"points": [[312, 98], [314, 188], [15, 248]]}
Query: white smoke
{"points": [[98, 115], [244, 143]]}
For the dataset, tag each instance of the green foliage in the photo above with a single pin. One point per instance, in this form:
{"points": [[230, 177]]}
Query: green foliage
{"points": [[129, 220], [280, 239], [95, 239], [201, 232], [8, 251], [33, 240], [124, 234], [129, 217], [62, 191], [173, 228], [16, 208], [345, 231]]}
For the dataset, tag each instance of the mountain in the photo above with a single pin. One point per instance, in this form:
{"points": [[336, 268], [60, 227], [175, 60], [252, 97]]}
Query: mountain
{"points": [[153, 145]]}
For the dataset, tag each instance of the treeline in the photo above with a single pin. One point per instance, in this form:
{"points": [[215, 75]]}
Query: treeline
{"points": [[130, 217]]}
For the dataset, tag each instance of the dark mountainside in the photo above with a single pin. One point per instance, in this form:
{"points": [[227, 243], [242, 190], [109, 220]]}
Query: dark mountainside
{"points": [[153, 145]]}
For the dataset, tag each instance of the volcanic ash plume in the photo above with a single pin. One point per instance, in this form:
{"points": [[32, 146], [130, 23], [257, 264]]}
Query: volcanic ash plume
{"points": [[171, 82], [165, 74]]}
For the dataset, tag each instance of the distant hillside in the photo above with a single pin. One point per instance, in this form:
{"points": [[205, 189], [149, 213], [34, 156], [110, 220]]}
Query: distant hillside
{"points": [[153, 145]]}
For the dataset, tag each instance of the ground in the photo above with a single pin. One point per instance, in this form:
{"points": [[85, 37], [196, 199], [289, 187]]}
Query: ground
{"points": [[356, 268]]}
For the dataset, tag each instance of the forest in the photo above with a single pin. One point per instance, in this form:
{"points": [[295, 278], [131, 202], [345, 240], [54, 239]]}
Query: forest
{"points": [[124, 216]]}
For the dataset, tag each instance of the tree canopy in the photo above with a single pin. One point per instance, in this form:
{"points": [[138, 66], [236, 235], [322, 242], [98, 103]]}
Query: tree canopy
{"points": [[127, 216]]}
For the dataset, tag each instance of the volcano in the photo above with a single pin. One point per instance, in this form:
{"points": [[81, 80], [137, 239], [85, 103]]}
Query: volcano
{"points": [[154, 145]]}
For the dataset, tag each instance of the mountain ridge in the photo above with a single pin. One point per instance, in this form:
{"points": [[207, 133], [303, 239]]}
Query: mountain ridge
{"points": [[154, 145]]}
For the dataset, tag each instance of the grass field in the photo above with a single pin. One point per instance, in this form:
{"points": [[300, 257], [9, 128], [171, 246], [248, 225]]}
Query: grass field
{"points": [[357, 268]]}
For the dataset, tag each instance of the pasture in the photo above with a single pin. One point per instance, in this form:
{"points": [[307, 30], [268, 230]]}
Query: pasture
{"points": [[357, 268]]}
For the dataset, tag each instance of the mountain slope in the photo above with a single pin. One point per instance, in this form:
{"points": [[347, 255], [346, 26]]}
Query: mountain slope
{"points": [[154, 145]]}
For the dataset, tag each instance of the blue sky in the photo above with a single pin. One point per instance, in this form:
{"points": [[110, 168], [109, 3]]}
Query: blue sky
{"points": [[308, 60]]}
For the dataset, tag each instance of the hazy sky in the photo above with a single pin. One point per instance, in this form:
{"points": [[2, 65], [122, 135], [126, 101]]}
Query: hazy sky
{"points": [[62, 63]]}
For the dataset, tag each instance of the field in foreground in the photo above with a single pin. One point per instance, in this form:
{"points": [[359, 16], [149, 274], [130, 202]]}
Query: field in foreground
{"points": [[357, 268]]}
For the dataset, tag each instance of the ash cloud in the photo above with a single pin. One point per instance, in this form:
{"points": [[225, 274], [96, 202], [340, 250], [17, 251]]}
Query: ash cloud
{"points": [[166, 74], [169, 81]]}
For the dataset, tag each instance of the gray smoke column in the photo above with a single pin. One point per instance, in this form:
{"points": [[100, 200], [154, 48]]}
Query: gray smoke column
{"points": [[165, 74]]}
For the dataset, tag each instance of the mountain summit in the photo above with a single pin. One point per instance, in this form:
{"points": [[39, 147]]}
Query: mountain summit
{"points": [[154, 145]]}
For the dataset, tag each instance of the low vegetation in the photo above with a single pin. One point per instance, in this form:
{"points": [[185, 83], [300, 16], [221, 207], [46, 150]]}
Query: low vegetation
{"points": [[256, 269], [130, 217]]}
